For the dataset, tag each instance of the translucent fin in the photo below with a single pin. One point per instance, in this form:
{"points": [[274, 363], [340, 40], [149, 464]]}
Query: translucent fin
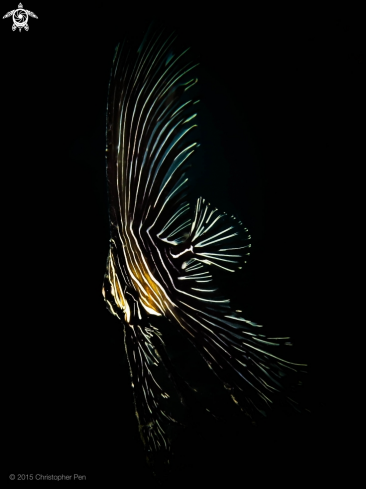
{"points": [[214, 239], [155, 393], [238, 351]]}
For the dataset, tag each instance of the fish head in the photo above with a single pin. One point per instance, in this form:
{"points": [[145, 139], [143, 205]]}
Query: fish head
{"points": [[113, 291]]}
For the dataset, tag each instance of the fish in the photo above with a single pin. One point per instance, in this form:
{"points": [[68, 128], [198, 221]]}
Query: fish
{"points": [[163, 256]]}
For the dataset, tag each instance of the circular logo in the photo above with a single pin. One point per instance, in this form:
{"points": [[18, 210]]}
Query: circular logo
{"points": [[20, 17]]}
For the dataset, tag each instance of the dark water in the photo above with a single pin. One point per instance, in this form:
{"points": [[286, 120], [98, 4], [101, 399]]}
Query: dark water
{"points": [[67, 380]]}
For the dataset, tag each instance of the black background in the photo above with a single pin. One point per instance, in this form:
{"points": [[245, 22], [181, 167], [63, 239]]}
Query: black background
{"points": [[264, 94]]}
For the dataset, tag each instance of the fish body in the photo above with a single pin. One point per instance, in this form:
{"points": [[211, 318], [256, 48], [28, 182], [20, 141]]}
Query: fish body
{"points": [[162, 257]]}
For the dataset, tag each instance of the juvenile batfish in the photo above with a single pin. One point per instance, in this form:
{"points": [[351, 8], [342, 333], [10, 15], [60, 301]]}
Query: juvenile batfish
{"points": [[162, 256]]}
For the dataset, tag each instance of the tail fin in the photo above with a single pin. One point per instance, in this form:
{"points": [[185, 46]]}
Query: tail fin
{"points": [[214, 239], [244, 358]]}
